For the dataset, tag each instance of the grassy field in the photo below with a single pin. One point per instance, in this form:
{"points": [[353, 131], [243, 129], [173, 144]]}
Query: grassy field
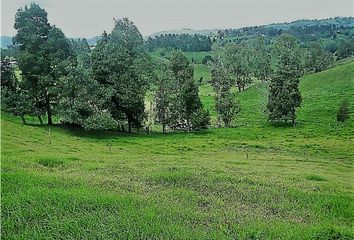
{"points": [[254, 181]]}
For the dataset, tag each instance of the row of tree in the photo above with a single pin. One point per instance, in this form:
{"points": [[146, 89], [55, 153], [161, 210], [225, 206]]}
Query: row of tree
{"points": [[183, 42], [100, 89], [105, 88], [241, 62]]}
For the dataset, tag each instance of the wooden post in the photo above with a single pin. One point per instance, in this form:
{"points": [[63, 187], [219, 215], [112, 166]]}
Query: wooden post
{"points": [[110, 148], [49, 136]]}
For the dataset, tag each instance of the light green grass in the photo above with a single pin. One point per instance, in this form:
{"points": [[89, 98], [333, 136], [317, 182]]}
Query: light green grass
{"points": [[296, 183], [203, 71]]}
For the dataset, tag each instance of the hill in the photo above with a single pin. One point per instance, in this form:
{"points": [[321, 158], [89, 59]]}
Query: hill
{"points": [[5, 41], [256, 181]]}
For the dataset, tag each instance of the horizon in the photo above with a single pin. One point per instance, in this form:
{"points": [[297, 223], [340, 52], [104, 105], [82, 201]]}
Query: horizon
{"points": [[211, 29], [80, 19]]}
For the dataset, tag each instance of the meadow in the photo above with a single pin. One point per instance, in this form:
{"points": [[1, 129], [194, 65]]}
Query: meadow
{"points": [[253, 181]]}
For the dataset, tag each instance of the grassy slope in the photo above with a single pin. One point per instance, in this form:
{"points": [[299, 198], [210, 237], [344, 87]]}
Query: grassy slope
{"points": [[295, 184]]}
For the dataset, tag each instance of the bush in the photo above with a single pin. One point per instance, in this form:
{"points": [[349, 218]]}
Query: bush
{"points": [[343, 111], [206, 59]]}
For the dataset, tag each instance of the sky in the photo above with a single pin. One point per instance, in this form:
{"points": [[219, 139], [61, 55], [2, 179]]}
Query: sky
{"points": [[88, 18]]}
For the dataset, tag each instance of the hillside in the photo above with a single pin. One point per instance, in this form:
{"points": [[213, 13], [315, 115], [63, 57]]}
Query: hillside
{"points": [[255, 181], [5, 41]]}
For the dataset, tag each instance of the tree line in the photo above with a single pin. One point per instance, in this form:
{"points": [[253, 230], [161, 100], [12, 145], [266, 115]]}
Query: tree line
{"points": [[183, 42], [99, 89], [106, 87]]}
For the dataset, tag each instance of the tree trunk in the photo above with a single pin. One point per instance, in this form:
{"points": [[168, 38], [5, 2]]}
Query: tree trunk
{"points": [[49, 111], [129, 126], [23, 120], [163, 128], [239, 86], [40, 120], [293, 122]]}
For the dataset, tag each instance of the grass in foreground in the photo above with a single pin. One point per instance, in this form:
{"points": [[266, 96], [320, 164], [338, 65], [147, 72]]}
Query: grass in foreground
{"points": [[256, 181]]}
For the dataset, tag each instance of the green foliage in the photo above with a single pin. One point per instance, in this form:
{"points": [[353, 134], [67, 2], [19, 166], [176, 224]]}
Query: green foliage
{"points": [[343, 111], [317, 59], [262, 60], [183, 42], [13, 99], [238, 59], [207, 59], [225, 102], [120, 63], [43, 55], [227, 107], [177, 96], [284, 93], [346, 48]]}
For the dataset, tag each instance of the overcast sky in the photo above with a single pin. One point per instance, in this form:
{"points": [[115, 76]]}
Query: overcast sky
{"points": [[88, 18]]}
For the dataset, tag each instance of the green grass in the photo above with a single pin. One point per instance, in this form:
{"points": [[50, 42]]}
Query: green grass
{"points": [[203, 71], [254, 181]]}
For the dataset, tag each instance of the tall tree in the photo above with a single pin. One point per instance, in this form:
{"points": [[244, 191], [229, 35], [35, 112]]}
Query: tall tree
{"points": [[225, 102], [262, 60], [120, 63], [163, 95], [284, 93], [187, 112], [13, 98], [43, 53], [238, 59]]}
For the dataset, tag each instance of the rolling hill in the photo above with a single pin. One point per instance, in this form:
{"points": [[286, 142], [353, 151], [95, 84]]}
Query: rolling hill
{"points": [[254, 181]]}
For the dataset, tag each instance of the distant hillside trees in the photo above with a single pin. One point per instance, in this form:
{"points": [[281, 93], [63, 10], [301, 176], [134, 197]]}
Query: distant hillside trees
{"points": [[346, 48], [183, 42], [177, 101], [226, 104], [121, 65], [284, 94], [43, 54], [316, 59], [262, 59]]}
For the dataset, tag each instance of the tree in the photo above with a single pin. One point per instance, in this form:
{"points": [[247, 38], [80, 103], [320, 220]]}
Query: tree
{"points": [[83, 101], [13, 98], [238, 61], [343, 111], [120, 63], [284, 94], [346, 48], [317, 59], [43, 53], [227, 107], [186, 111], [225, 102], [262, 60], [163, 95]]}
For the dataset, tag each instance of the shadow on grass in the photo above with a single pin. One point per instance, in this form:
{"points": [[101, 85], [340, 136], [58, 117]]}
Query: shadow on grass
{"points": [[78, 131]]}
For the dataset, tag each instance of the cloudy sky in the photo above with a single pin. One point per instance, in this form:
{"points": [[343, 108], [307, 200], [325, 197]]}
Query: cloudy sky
{"points": [[88, 18]]}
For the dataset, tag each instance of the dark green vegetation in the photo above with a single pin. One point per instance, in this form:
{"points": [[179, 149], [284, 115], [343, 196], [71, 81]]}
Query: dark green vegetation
{"points": [[255, 181]]}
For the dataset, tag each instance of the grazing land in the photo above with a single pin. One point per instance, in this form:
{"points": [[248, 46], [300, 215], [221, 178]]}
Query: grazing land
{"points": [[253, 181]]}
